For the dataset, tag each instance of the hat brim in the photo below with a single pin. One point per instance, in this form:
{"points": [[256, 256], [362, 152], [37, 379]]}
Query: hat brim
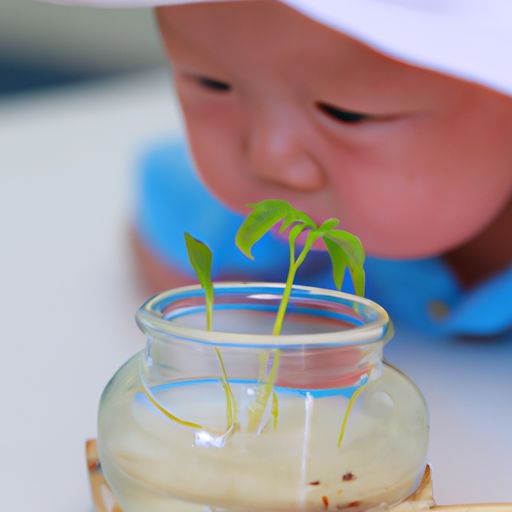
{"points": [[468, 40]]}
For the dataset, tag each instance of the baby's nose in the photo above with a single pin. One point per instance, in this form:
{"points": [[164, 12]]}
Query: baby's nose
{"points": [[280, 153]]}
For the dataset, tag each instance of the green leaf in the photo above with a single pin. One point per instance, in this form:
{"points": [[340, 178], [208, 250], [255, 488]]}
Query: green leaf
{"points": [[338, 262], [328, 225], [350, 244], [346, 249], [264, 216], [358, 278], [286, 224], [200, 257], [299, 216], [292, 239]]}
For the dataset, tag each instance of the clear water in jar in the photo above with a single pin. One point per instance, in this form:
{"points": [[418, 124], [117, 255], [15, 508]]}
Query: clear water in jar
{"points": [[154, 464]]}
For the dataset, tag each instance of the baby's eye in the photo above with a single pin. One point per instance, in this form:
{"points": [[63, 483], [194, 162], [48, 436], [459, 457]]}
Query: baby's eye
{"points": [[213, 85], [344, 116]]}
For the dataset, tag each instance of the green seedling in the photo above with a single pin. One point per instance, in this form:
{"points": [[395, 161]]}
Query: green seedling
{"points": [[200, 257], [345, 250]]}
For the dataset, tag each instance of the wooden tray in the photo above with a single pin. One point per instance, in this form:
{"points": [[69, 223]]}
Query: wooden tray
{"points": [[420, 501]]}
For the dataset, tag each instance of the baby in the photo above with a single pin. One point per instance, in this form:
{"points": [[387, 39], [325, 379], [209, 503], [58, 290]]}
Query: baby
{"points": [[291, 102]]}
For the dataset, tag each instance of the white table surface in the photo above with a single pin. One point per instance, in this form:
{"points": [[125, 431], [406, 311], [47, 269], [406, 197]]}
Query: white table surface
{"points": [[68, 296]]}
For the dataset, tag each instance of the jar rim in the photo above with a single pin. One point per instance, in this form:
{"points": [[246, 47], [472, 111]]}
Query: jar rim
{"points": [[150, 318]]}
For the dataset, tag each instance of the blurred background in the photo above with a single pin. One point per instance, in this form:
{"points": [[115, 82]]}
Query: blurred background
{"points": [[43, 46], [83, 94]]}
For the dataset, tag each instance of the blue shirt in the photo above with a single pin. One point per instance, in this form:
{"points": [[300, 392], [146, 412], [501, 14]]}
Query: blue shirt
{"points": [[422, 293]]}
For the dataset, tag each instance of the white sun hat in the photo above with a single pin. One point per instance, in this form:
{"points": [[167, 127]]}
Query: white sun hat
{"points": [[468, 39]]}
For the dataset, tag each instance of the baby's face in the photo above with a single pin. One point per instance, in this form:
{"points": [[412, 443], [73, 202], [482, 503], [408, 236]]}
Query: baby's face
{"points": [[277, 106]]}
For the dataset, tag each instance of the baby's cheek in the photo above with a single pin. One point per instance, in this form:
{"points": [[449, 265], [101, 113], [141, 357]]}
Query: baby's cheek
{"points": [[209, 140], [423, 217], [217, 162], [419, 191]]}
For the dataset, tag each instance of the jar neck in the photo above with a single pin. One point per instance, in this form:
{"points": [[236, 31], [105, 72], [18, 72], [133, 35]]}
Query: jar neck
{"points": [[330, 339], [331, 367]]}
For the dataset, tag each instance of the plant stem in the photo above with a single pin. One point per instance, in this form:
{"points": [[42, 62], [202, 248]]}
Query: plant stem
{"points": [[262, 397], [278, 324], [169, 415], [275, 409], [209, 315], [266, 390], [292, 271], [231, 410], [351, 403]]}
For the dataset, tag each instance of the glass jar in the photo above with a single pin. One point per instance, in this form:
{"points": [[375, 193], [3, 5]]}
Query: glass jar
{"points": [[235, 419]]}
